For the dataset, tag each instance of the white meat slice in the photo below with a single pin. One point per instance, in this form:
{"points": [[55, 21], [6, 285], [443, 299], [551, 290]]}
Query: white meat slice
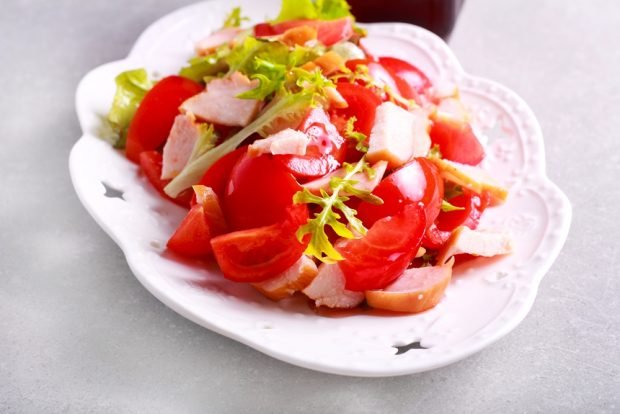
{"points": [[328, 289], [475, 242], [398, 135], [287, 141], [363, 181], [179, 145], [219, 103], [216, 39], [294, 279]]}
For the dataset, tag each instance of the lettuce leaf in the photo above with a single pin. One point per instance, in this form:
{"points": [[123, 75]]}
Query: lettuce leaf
{"points": [[201, 67], [131, 86], [313, 9]]}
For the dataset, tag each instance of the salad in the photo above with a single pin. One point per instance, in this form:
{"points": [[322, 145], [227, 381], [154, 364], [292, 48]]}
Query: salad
{"points": [[309, 166]]}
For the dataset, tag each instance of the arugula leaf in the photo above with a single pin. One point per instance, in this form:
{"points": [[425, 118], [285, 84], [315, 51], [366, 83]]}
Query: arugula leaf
{"points": [[313, 9], [234, 19], [131, 86], [358, 137], [290, 105], [447, 207], [319, 245], [434, 152]]}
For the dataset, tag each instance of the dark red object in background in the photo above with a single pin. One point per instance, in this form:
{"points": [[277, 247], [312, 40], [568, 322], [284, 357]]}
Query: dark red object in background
{"points": [[437, 16]]}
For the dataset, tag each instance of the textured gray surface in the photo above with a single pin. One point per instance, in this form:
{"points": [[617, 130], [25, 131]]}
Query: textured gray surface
{"points": [[79, 334]]}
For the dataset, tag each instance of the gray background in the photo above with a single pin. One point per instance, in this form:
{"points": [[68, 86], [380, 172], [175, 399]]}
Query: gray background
{"points": [[79, 334]]}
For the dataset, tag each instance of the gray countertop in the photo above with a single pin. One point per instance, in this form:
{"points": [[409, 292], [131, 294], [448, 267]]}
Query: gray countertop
{"points": [[79, 334]]}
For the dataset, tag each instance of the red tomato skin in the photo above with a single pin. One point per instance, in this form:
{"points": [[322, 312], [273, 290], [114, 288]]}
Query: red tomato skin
{"points": [[470, 217], [325, 152], [255, 255], [434, 239], [258, 193], [362, 105], [154, 117], [192, 239], [329, 32], [151, 164], [218, 174], [415, 182], [382, 255], [457, 141], [410, 81]]}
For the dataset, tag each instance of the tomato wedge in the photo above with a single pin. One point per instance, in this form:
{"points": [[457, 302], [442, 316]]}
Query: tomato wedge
{"points": [[151, 165], [410, 81], [329, 32], [457, 141], [258, 192], [382, 255], [362, 105], [204, 220], [325, 152], [258, 254], [154, 117], [415, 182], [472, 205], [218, 174]]}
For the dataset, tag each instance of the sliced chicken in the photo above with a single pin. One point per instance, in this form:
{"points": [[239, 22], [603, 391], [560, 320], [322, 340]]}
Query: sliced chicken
{"points": [[364, 182], [417, 290], [219, 103], [327, 289], [287, 141], [179, 145], [473, 178], [398, 135], [214, 40], [296, 278], [476, 243]]}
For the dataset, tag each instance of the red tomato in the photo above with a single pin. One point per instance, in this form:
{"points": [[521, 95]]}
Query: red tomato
{"points": [[329, 32], [469, 216], [325, 152], [151, 164], [434, 239], [417, 181], [457, 142], [363, 104], [258, 193], [218, 174], [382, 255], [410, 81], [153, 120], [376, 71], [258, 254], [204, 221]]}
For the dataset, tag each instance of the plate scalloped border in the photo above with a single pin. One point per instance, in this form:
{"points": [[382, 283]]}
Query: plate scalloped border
{"points": [[364, 344]]}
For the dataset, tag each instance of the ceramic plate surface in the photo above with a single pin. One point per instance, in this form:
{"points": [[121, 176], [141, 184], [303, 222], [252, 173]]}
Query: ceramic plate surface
{"points": [[486, 299]]}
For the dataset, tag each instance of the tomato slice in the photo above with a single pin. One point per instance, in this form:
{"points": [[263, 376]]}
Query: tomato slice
{"points": [[203, 221], [410, 81], [258, 254], [151, 165], [258, 192], [382, 255], [329, 32], [218, 174], [472, 205], [154, 117], [325, 152], [362, 105], [457, 141], [415, 182]]}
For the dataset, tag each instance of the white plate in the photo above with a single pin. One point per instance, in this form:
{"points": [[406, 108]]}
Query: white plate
{"points": [[486, 299]]}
